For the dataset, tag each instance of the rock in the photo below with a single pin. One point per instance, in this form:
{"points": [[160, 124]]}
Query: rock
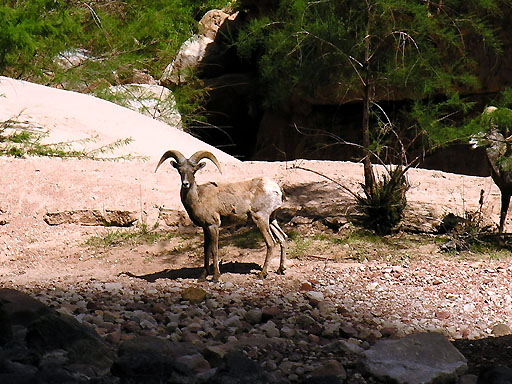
{"points": [[151, 100], [254, 316], [443, 315], [202, 48], [327, 379], [418, 358], [330, 371], [5, 326], [348, 331], [214, 354], [40, 345], [468, 379], [195, 362], [82, 344], [495, 375], [91, 217], [345, 346], [189, 56], [335, 223], [194, 295], [501, 330], [331, 330], [268, 313], [325, 308], [270, 329], [147, 359], [19, 308], [315, 297], [211, 22], [239, 369], [306, 286]]}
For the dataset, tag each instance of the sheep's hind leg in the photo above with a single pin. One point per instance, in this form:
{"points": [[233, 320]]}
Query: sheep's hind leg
{"points": [[263, 225], [281, 239]]}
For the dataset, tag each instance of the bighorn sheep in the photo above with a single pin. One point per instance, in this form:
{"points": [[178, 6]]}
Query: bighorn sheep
{"points": [[211, 205], [496, 141]]}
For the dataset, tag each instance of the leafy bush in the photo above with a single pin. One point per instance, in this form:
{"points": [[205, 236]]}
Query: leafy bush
{"points": [[466, 233], [381, 208], [32, 33]]}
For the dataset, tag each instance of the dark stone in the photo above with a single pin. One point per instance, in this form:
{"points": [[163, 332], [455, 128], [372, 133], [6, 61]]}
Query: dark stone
{"points": [[20, 308], [239, 369], [59, 331], [328, 379], [148, 359], [5, 326], [495, 375]]}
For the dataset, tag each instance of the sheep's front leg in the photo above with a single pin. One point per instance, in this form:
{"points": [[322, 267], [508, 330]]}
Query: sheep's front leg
{"points": [[207, 246], [211, 248]]}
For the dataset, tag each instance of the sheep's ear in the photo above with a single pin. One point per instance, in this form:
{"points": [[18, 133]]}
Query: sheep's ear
{"points": [[200, 166], [174, 164]]}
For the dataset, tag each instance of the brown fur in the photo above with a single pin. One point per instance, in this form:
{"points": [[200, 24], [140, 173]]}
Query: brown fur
{"points": [[213, 205]]}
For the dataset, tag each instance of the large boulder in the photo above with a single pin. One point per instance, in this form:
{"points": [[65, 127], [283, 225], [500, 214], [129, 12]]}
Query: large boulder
{"points": [[40, 345], [147, 359], [418, 358], [193, 51], [188, 58]]}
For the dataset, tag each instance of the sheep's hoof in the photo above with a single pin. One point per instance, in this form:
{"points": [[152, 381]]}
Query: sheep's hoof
{"points": [[203, 275], [262, 274], [280, 270]]}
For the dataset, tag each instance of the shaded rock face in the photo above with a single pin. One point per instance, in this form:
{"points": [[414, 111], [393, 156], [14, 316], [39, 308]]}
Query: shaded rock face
{"points": [[247, 130], [40, 345], [150, 360], [307, 131]]}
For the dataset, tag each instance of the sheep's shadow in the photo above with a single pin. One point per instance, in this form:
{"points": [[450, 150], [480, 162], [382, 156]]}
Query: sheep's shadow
{"points": [[195, 273]]}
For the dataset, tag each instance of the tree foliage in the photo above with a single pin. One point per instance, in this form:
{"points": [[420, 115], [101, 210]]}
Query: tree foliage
{"points": [[371, 51], [119, 36], [413, 49]]}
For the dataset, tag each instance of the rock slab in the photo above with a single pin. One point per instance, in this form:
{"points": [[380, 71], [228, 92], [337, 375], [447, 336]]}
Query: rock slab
{"points": [[91, 217], [418, 358]]}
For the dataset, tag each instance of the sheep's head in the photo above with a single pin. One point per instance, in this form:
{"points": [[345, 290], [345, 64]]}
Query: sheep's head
{"points": [[188, 167]]}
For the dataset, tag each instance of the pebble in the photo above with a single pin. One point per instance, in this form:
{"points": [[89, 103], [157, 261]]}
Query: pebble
{"points": [[294, 334]]}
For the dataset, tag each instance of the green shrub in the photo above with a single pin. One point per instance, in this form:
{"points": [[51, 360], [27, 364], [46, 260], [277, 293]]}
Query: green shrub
{"points": [[381, 209]]}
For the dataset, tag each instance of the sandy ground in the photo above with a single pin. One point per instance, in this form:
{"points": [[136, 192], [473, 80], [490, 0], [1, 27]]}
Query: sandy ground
{"points": [[32, 251], [35, 255]]}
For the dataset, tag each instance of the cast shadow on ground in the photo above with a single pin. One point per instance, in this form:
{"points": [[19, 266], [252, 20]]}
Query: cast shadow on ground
{"points": [[195, 273]]}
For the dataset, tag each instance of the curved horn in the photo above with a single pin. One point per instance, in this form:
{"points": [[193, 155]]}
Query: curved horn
{"points": [[176, 155], [196, 158]]}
